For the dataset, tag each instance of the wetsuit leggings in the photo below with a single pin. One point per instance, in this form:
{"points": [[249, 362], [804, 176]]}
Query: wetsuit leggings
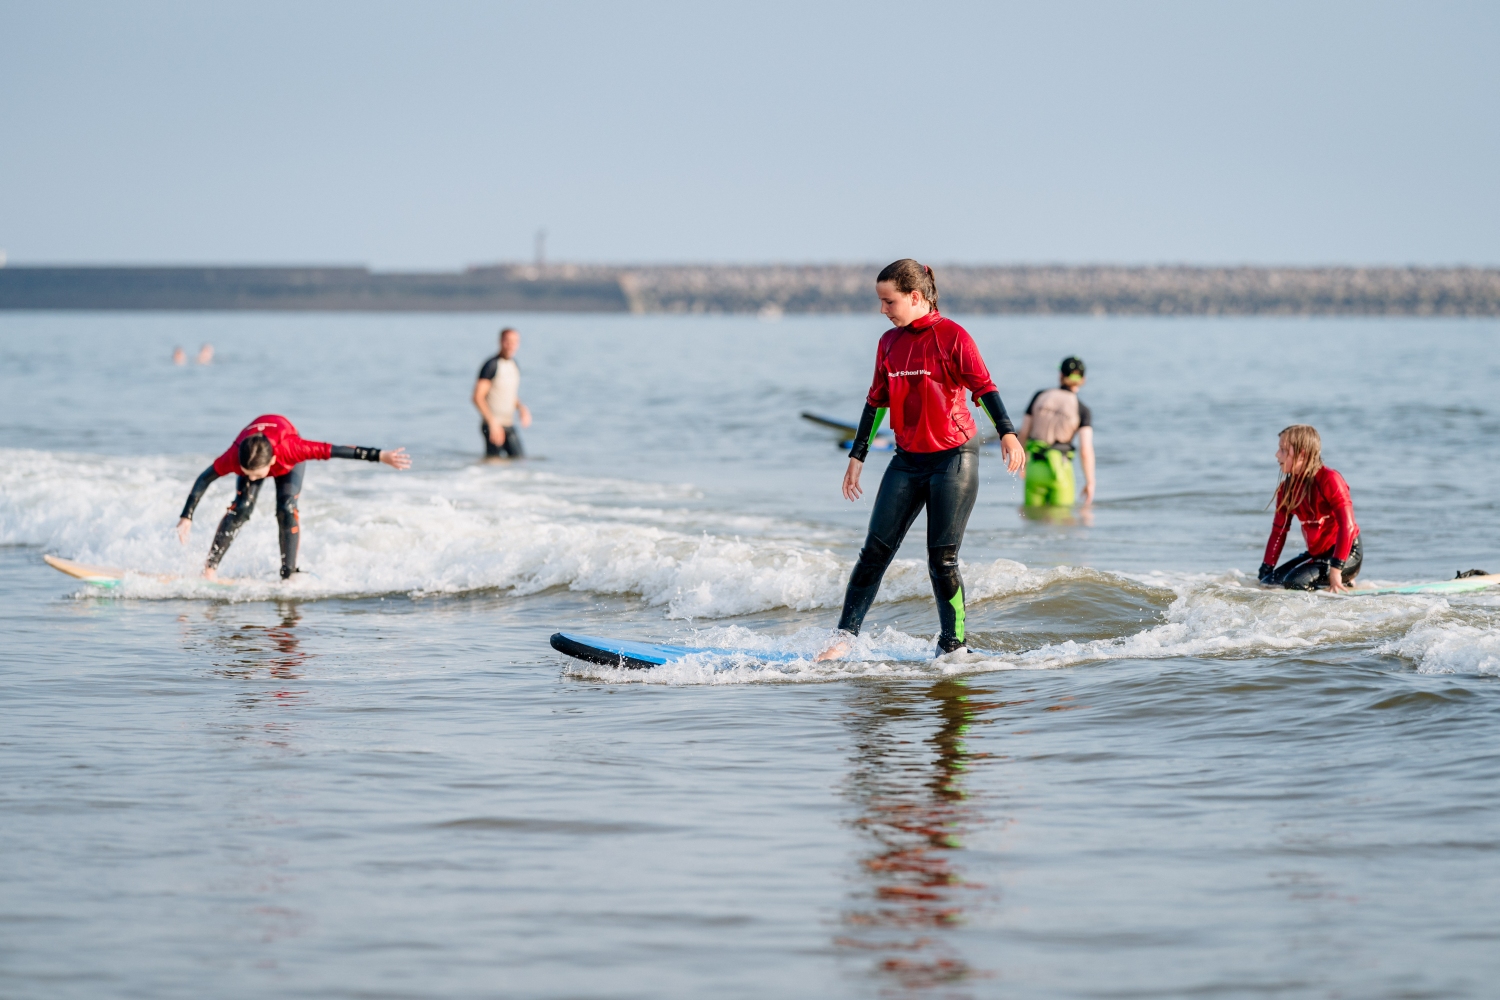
{"points": [[511, 447], [1049, 475], [288, 487], [1309, 572], [946, 483]]}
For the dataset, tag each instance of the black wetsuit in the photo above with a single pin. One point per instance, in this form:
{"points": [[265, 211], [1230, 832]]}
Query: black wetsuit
{"points": [[511, 448], [947, 484], [1310, 572]]}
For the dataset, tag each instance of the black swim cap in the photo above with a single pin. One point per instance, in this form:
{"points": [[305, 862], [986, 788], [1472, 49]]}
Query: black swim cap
{"points": [[1072, 366]]}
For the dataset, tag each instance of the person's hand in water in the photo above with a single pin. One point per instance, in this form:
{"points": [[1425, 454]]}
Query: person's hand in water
{"points": [[1336, 581], [497, 435], [525, 413], [1088, 494], [852, 491], [1015, 455], [184, 528], [399, 459]]}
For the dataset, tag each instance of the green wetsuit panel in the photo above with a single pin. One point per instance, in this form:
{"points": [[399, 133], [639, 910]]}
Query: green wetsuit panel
{"points": [[1049, 477]]}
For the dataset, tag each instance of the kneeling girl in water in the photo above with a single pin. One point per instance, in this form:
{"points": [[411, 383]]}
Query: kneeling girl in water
{"points": [[1318, 497], [923, 367]]}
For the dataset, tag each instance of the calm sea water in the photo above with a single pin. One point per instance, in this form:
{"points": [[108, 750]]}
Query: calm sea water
{"points": [[382, 782]]}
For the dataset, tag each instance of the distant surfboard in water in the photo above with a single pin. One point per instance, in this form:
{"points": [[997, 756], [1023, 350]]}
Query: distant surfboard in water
{"points": [[884, 439]]}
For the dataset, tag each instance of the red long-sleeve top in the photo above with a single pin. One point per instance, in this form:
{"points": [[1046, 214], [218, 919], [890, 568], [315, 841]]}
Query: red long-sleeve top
{"points": [[921, 372], [1326, 515], [289, 446]]}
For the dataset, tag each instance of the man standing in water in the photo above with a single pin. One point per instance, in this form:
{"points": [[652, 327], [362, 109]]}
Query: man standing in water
{"points": [[497, 397], [1054, 417]]}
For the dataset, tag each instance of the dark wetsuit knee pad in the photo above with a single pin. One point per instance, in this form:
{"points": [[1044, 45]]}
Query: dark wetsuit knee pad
{"points": [[873, 560], [942, 564]]}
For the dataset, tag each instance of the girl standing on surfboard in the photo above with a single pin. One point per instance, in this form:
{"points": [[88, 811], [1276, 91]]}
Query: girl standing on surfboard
{"points": [[269, 446], [923, 367], [1318, 497]]}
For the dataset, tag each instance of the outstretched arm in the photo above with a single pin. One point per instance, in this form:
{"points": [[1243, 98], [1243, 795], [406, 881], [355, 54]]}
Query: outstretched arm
{"points": [[1279, 528], [185, 520], [1086, 456], [869, 422], [396, 458], [1010, 445]]}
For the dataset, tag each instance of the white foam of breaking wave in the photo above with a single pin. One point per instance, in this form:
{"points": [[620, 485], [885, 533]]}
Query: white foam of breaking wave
{"points": [[368, 531], [1216, 617], [1444, 646]]}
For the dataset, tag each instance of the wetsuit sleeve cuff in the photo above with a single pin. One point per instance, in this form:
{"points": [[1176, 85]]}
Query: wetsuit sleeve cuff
{"points": [[869, 423], [354, 451], [996, 410], [1265, 571], [1337, 564]]}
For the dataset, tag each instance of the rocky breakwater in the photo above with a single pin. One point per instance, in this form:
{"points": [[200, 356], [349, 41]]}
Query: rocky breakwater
{"points": [[1098, 290]]}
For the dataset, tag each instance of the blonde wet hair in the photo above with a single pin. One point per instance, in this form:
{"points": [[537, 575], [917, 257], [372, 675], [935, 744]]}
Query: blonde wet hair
{"points": [[1306, 446]]}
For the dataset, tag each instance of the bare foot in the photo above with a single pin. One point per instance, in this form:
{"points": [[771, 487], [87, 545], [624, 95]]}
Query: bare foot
{"points": [[834, 652], [210, 573]]}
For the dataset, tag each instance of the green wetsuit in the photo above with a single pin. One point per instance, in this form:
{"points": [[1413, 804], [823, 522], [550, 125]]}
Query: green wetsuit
{"points": [[1056, 414], [1049, 476]]}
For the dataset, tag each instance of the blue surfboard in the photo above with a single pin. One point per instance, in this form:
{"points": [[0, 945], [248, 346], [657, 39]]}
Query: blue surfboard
{"points": [[644, 655]]}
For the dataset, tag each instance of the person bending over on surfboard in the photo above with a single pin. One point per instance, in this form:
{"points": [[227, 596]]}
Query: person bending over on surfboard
{"points": [[923, 366], [1054, 417], [1318, 497], [269, 446]]}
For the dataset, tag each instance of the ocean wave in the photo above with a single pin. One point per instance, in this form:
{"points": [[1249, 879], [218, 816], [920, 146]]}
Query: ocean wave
{"points": [[1212, 617], [369, 532], [1445, 646]]}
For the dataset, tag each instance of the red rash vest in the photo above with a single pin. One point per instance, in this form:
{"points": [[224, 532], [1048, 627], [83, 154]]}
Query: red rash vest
{"points": [[921, 372], [1327, 517], [288, 444]]}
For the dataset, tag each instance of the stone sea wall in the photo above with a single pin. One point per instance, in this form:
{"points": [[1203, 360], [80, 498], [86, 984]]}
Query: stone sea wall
{"points": [[771, 289], [1101, 290]]}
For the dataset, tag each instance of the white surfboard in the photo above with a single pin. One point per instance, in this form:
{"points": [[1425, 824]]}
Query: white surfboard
{"points": [[109, 576], [1462, 585]]}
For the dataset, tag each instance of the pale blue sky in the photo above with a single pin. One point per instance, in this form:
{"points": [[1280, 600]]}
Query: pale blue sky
{"points": [[435, 135]]}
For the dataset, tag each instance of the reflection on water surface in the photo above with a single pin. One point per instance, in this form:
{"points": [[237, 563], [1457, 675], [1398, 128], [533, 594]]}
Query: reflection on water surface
{"points": [[916, 814]]}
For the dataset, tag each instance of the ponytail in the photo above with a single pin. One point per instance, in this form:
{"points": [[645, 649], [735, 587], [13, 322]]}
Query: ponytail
{"points": [[909, 276]]}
